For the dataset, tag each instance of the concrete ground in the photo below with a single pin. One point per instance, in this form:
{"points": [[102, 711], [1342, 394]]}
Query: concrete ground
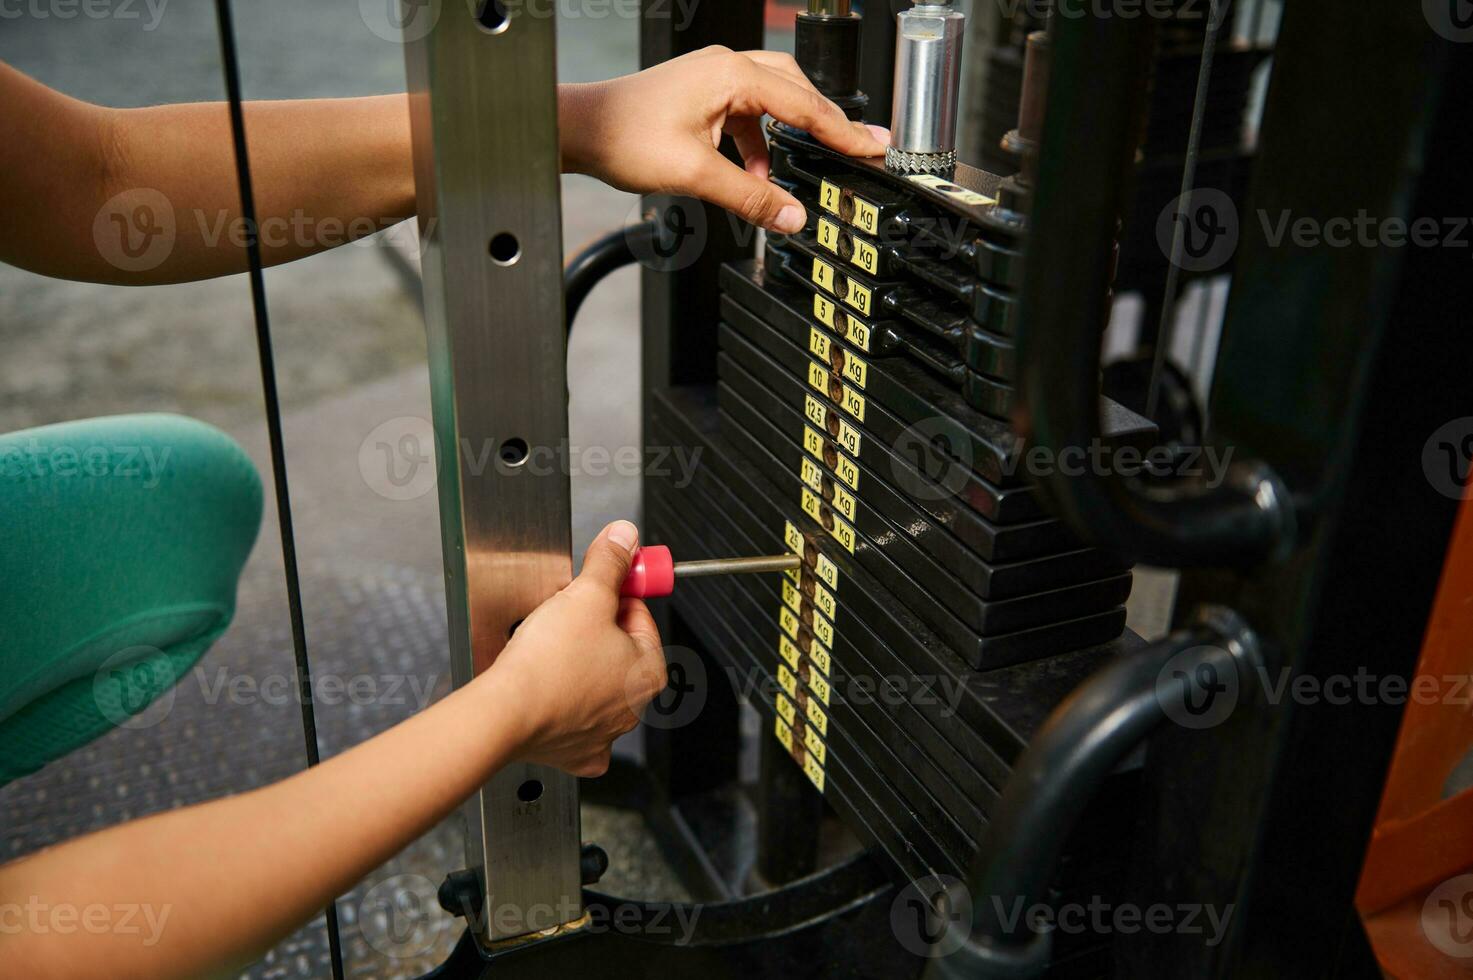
{"points": [[350, 354]]}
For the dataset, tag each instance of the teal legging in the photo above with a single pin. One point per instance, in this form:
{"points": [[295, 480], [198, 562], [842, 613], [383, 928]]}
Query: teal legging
{"points": [[124, 539]]}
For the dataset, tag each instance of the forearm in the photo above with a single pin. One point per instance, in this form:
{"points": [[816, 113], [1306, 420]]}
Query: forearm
{"points": [[220, 882], [325, 171]]}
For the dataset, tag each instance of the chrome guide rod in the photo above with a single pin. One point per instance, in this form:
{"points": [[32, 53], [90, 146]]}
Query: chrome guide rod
{"points": [[483, 106]]}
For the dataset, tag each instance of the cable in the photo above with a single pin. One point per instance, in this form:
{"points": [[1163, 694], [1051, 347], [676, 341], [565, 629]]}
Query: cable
{"points": [[231, 69], [1188, 178], [613, 251]]}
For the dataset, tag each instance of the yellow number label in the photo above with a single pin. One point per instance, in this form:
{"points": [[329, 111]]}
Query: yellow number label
{"points": [[784, 734], [785, 709], [856, 295], [818, 343], [824, 310], [828, 197], [866, 256], [818, 379], [866, 216], [811, 474], [813, 744], [823, 274], [788, 621], [787, 680], [792, 538], [789, 652], [812, 441], [792, 596], [828, 235], [813, 508], [814, 409]]}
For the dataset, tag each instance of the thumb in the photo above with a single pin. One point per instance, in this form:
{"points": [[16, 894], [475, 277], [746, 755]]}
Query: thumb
{"points": [[609, 557], [749, 197]]}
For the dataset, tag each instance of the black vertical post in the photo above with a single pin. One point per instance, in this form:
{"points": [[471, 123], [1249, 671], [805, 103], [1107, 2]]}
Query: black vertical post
{"points": [[789, 813], [877, 58], [680, 311]]}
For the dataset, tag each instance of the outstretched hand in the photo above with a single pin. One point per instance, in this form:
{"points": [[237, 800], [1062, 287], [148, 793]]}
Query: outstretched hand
{"points": [[659, 131]]}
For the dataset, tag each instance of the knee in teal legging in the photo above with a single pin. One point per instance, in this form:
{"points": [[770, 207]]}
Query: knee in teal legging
{"points": [[124, 539]]}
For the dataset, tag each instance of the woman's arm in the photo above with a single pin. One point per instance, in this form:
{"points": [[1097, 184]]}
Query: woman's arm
{"points": [[145, 196], [223, 881]]}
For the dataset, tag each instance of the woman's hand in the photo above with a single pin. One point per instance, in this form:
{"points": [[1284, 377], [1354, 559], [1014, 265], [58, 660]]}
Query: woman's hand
{"points": [[658, 131], [584, 664]]}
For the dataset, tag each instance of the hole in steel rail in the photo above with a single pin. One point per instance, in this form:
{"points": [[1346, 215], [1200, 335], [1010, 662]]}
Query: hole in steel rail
{"points": [[530, 791], [513, 451], [493, 16], [505, 249]]}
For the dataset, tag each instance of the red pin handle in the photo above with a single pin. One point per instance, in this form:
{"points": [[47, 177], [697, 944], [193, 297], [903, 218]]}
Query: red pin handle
{"points": [[651, 573]]}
